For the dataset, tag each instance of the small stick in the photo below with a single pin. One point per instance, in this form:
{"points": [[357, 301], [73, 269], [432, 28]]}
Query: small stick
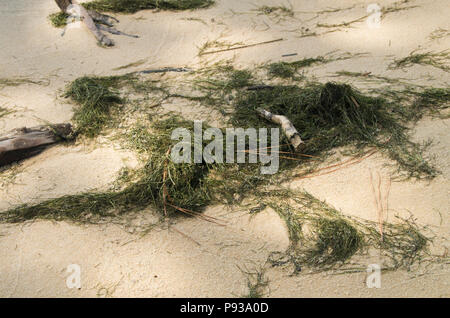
{"points": [[291, 54], [286, 125], [242, 47]]}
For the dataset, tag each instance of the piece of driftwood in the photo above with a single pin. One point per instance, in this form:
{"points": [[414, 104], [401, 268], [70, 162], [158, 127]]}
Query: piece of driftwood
{"points": [[241, 47], [290, 54], [25, 142], [94, 20], [287, 127], [165, 70]]}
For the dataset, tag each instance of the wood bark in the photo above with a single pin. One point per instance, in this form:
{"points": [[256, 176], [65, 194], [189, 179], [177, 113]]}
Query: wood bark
{"points": [[26, 142]]}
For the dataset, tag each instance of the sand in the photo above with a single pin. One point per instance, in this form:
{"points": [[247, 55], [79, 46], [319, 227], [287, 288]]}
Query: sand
{"points": [[196, 258]]}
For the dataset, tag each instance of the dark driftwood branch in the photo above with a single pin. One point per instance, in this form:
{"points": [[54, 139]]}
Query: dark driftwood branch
{"points": [[26, 142], [88, 18], [286, 125]]}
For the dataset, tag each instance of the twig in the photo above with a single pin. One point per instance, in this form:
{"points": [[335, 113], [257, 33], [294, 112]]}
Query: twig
{"points": [[291, 54], [241, 47]]}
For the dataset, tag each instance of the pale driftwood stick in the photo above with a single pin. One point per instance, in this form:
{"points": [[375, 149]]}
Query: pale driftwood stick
{"points": [[26, 142], [286, 125], [68, 6]]}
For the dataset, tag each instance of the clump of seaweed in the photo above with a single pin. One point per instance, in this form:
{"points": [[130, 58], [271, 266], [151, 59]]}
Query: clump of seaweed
{"points": [[403, 244], [323, 238], [132, 6], [431, 100], [281, 70], [289, 69], [95, 98], [239, 79], [332, 115], [257, 283], [336, 241], [98, 99], [58, 19], [435, 59], [165, 185]]}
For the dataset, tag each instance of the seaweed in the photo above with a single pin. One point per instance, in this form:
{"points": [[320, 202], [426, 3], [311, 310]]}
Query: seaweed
{"points": [[165, 185], [132, 6], [322, 238], [96, 99], [58, 19], [333, 115], [435, 59]]}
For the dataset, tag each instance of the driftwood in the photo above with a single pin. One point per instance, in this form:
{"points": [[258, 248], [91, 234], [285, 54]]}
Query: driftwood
{"points": [[287, 127], [95, 21], [241, 47], [26, 142], [165, 70]]}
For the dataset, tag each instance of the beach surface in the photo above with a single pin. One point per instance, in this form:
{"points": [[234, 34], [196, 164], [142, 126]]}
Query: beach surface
{"points": [[197, 258]]}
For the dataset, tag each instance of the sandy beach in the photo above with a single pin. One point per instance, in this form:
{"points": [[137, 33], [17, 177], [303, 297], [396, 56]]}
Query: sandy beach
{"points": [[116, 259]]}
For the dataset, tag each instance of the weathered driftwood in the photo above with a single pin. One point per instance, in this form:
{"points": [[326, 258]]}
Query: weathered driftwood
{"points": [[287, 127], [72, 8], [26, 142]]}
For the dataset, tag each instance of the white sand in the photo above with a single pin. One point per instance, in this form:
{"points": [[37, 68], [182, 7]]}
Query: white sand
{"points": [[114, 262]]}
